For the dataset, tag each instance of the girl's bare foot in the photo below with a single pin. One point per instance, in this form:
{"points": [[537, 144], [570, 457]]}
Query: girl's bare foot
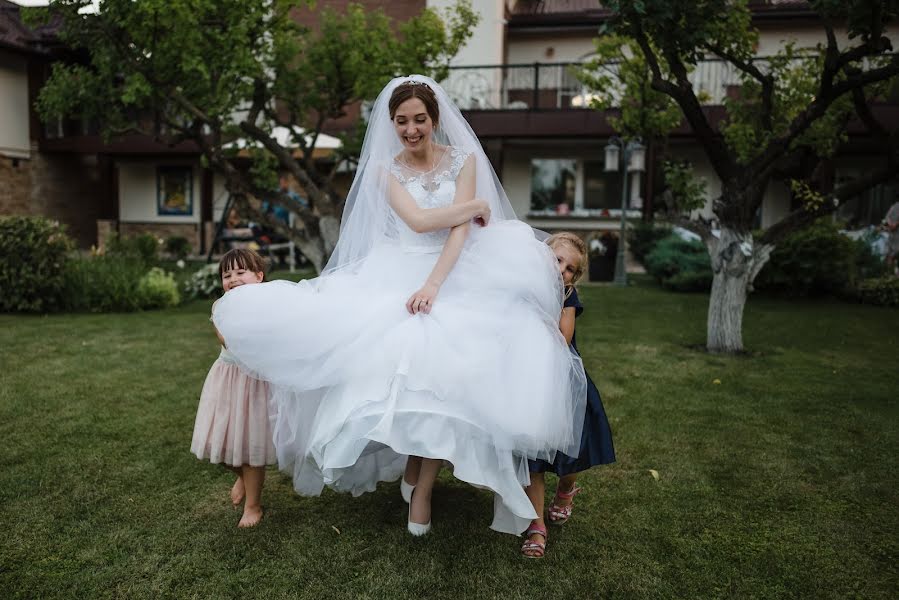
{"points": [[251, 517], [237, 492]]}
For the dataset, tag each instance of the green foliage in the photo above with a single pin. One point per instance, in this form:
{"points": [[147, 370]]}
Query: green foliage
{"points": [[143, 247], [184, 68], [862, 16], [109, 283], [680, 265], [881, 291], [680, 33], [813, 261], [33, 258], [643, 237], [177, 246], [686, 27], [687, 190], [796, 77], [157, 289], [618, 77], [810, 198], [204, 283]]}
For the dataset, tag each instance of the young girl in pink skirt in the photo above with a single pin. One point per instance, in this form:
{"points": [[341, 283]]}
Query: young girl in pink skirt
{"points": [[232, 426]]}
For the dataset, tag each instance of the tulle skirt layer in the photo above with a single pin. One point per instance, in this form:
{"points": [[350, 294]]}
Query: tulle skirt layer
{"points": [[232, 424], [485, 381]]}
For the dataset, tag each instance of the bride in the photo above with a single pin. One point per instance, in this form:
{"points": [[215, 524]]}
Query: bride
{"points": [[432, 332]]}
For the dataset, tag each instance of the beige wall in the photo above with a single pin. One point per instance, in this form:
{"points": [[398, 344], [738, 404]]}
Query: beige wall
{"points": [[806, 36], [137, 193], [485, 47], [549, 49], [14, 138], [516, 179], [776, 204]]}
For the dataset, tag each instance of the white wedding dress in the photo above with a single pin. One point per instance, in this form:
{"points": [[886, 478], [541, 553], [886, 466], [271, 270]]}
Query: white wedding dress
{"points": [[485, 381]]}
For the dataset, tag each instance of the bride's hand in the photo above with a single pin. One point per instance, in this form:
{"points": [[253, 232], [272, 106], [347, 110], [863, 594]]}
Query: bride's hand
{"points": [[423, 299], [482, 212]]}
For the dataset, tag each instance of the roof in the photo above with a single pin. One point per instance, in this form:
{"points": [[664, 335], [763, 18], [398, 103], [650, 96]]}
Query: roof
{"points": [[16, 35], [583, 13]]}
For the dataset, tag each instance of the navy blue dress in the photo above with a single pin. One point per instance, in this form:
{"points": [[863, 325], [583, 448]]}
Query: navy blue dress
{"points": [[596, 438]]}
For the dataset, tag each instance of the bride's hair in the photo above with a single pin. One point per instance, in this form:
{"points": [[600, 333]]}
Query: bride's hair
{"points": [[414, 89]]}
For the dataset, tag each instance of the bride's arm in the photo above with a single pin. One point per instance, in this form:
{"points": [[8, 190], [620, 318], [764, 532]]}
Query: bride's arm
{"points": [[423, 299], [423, 220]]}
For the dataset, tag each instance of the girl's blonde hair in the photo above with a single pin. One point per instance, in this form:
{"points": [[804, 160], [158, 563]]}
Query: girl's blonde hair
{"points": [[573, 241]]}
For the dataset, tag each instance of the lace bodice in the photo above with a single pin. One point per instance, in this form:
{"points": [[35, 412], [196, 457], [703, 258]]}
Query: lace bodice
{"points": [[433, 189]]}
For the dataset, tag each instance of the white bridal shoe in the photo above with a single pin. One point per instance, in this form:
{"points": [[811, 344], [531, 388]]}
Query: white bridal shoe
{"points": [[406, 490], [416, 529]]}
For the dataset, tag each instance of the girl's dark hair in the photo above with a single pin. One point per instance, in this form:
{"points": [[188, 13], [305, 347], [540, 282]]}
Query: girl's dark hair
{"points": [[415, 89], [240, 258]]}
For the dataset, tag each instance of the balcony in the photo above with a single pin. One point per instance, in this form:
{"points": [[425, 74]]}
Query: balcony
{"points": [[554, 86]]}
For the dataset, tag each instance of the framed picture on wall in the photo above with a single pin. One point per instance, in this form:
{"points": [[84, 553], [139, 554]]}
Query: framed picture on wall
{"points": [[174, 191]]}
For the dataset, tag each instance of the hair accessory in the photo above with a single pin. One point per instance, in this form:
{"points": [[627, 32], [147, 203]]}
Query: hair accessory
{"points": [[414, 82]]}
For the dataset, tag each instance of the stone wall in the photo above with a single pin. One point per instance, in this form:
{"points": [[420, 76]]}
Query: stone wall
{"points": [[67, 187], [15, 186], [190, 231], [64, 187]]}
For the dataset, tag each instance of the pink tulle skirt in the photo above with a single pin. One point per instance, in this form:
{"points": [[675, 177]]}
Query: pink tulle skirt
{"points": [[232, 425]]}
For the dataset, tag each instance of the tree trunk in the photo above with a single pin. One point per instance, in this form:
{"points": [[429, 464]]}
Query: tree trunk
{"points": [[736, 261]]}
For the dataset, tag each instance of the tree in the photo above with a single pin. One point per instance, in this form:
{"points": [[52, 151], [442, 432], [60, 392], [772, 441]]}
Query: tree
{"points": [[213, 71], [790, 113]]}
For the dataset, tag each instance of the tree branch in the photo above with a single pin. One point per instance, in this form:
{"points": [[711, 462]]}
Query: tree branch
{"points": [[766, 81], [259, 101], [801, 217], [778, 147], [864, 113], [187, 105], [285, 158], [682, 93]]}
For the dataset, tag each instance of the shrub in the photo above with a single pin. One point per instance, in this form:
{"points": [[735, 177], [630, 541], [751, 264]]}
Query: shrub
{"points": [[643, 237], [815, 260], [105, 284], [33, 257], [882, 291], [177, 247], [204, 283], [868, 264], [157, 289], [680, 265], [143, 247]]}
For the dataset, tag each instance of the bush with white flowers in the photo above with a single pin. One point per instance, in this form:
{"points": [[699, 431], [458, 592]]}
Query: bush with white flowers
{"points": [[204, 283]]}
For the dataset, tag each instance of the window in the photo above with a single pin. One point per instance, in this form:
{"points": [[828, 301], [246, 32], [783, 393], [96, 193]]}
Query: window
{"points": [[174, 191], [553, 183], [601, 189], [869, 207], [578, 187]]}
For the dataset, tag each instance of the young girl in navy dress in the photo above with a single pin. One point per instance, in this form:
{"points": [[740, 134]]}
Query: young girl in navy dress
{"points": [[596, 437], [232, 426]]}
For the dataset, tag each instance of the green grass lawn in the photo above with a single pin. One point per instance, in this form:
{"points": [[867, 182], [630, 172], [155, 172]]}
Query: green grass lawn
{"points": [[777, 470]]}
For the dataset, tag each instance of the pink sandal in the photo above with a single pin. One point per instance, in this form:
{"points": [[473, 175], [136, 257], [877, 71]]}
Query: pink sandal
{"points": [[532, 548], [559, 515]]}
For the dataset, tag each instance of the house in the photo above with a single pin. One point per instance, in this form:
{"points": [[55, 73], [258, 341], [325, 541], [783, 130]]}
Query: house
{"points": [[513, 80], [66, 171], [516, 88]]}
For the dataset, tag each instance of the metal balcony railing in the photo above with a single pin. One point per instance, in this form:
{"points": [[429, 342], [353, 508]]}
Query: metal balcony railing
{"points": [[554, 86]]}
